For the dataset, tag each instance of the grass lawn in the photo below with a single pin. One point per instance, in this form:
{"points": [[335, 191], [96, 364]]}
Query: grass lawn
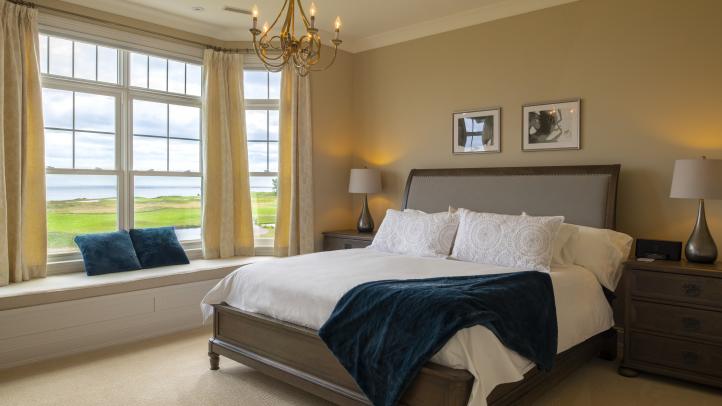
{"points": [[67, 218]]}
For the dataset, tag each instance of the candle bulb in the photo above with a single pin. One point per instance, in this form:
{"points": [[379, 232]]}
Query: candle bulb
{"points": [[338, 26], [254, 10], [313, 15], [265, 28]]}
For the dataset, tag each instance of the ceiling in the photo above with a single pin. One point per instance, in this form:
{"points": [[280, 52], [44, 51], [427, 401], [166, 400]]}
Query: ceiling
{"points": [[367, 24]]}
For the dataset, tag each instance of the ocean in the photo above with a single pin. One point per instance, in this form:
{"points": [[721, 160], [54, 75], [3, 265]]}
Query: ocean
{"points": [[103, 192], [56, 193]]}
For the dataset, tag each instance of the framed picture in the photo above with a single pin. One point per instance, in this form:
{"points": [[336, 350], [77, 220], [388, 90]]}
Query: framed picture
{"points": [[551, 126], [477, 132]]}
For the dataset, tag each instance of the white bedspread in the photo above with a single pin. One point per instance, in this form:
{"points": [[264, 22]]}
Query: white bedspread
{"points": [[305, 289]]}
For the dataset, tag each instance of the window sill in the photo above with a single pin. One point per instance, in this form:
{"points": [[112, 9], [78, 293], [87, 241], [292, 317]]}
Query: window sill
{"points": [[74, 286], [74, 263]]}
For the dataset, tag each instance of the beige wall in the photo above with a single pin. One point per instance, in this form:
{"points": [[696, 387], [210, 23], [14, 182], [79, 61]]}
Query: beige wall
{"points": [[649, 74], [332, 145]]}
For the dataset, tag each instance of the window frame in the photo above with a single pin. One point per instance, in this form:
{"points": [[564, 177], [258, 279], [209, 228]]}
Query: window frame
{"points": [[125, 94], [264, 246]]}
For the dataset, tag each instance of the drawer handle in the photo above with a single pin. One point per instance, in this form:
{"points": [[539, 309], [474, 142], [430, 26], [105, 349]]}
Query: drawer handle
{"points": [[690, 358], [691, 290], [691, 324]]}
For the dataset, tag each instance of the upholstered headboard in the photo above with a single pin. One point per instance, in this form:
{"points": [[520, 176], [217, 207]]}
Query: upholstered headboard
{"points": [[584, 195]]}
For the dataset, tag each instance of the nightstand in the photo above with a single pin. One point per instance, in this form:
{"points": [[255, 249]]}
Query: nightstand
{"points": [[673, 320], [345, 239]]}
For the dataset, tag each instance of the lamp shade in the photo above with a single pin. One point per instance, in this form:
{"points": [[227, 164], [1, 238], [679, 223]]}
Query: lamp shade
{"points": [[364, 181], [697, 179]]}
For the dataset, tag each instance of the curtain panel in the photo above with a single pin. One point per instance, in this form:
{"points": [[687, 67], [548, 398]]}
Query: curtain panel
{"points": [[294, 222], [23, 228], [227, 214]]}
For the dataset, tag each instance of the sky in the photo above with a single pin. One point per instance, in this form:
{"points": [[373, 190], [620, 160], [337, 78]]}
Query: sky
{"points": [[175, 129]]}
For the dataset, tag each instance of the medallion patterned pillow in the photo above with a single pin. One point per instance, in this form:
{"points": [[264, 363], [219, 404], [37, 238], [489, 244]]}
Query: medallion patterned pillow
{"points": [[416, 233], [523, 242]]}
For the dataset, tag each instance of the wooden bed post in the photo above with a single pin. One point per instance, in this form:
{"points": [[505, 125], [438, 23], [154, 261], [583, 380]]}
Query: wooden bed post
{"points": [[213, 357], [608, 351]]}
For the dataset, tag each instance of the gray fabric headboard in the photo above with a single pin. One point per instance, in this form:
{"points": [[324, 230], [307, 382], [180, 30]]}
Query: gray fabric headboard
{"points": [[584, 195]]}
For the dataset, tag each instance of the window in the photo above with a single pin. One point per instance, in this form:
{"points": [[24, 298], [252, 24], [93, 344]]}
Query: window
{"points": [[122, 142], [262, 93], [79, 60]]}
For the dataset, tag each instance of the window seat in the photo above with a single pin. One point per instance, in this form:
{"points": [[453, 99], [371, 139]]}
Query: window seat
{"points": [[77, 285]]}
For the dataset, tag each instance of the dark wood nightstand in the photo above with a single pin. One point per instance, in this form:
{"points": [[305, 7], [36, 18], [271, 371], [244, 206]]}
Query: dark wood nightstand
{"points": [[345, 239], [673, 320]]}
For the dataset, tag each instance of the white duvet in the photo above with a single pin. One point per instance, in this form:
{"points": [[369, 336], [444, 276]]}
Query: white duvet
{"points": [[305, 289]]}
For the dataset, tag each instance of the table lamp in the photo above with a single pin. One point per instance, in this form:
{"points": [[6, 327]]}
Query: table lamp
{"points": [[698, 179], [365, 181]]}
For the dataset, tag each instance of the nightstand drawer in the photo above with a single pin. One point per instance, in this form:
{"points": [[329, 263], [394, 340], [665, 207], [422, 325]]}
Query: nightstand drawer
{"points": [[679, 288], [676, 320], [690, 356], [335, 243]]}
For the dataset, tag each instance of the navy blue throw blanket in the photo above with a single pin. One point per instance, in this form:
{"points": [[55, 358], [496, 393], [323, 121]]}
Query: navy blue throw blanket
{"points": [[384, 332]]}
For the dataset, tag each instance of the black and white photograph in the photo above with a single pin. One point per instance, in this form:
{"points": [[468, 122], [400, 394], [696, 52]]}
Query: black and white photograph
{"points": [[551, 126], [477, 132]]}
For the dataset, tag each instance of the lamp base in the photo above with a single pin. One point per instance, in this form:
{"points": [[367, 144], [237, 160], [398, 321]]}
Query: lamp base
{"points": [[365, 222], [701, 247]]}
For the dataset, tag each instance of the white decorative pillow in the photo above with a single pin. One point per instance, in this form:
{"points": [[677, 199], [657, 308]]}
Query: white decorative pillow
{"points": [[524, 242], [416, 233], [601, 251], [561, 251]]}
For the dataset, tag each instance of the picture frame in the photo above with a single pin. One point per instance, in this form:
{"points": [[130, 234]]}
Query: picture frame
{"points": [[552, 126], [476, 132]]}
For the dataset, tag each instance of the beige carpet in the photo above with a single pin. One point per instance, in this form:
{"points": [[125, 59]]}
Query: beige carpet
{"points": [[174, 371]]}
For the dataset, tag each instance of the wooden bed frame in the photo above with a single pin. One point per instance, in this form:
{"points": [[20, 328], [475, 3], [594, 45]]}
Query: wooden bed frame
{"points": [[297, 356]]}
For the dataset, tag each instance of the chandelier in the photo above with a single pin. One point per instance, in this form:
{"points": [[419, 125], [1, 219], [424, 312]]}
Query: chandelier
{"points": [[304, 52]]}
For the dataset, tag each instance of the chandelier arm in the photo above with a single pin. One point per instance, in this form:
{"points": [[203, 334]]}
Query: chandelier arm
{"points": [[273, 48], [333, 59], [309, 49], [266, 62]]}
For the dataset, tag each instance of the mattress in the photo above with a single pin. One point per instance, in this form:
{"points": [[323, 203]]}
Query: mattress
{"points": [[305, 289]]}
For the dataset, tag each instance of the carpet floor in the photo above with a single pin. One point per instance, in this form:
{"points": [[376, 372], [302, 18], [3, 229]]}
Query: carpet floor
{"points": [[173, 370]]}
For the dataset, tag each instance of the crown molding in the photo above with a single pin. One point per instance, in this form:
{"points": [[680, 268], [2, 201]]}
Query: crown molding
{"points": [[452, 22], [151, 16], [218, 35]]}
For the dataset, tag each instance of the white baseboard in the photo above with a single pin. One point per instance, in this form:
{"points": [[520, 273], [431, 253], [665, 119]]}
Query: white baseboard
{"points": [[42, 332]]}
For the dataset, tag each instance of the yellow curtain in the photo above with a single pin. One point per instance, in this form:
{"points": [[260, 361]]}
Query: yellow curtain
{"points": [[23, 228], [227, 218], [294, 222]]}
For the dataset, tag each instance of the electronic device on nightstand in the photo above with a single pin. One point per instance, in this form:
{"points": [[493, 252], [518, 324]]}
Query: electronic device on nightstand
{"points": [[658, 250]]}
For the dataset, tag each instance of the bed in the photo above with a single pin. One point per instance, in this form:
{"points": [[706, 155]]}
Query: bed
{"points": [[293, 352]]}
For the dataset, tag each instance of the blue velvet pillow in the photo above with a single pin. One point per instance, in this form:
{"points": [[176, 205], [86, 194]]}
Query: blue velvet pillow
{"points": [[107, 252], [158, 247]]}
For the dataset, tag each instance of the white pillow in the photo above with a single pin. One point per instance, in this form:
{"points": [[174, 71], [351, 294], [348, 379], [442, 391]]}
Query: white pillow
{"points": [[523, 242], [416, 233], [601, 251], [561, 254]]}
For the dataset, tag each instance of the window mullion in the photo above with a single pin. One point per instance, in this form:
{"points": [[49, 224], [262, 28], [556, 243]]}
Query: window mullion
{"points": [[126, 145], [73, 129]]}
